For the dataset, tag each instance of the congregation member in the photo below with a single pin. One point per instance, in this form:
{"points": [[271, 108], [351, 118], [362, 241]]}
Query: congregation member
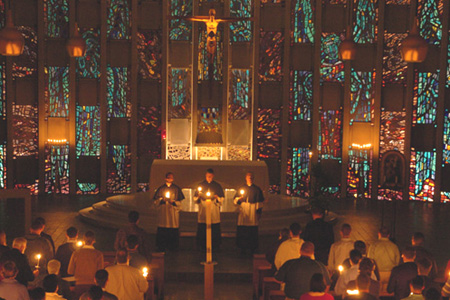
{"points": [[283, 235], [423, 269], [53, 268], [432, 294], [361, 247], [340, 250], [85, 261], [132, 228], [45, 235], [349, 274], [136, 259], [16, 254], [367, 267], [401, 275], [320, 233], [101, 280], [65, 251], [37, 294], [167, 200], [317, 289], [416, 286], [38, 245], [297, 273], [50, 285], [125, 282], [418, 241], [362, 289], [289, 249], [249, 198], [94, 293], [216, 196], [3, 246], [10, 288], [384, 252]]}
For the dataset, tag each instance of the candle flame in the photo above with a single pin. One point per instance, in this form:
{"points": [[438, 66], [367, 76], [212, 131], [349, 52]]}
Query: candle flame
{"points": [[364, 146], [79, 243], [353, 292], [167, 194], [38, 256], [208, 194], [145, 272], [199, 189], [340, 268], [242, 192], [54, 141]]}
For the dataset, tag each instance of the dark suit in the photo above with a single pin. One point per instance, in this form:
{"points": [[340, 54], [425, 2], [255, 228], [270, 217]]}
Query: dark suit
{"points": [[63, 254], [25, 274], [321, 234], [400, 278]]}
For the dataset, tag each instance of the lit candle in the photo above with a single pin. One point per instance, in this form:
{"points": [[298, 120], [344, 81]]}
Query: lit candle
{"points": [[208, 194], [145, 272], [340, 268], [38, 257], [353, 292], [79, 243], [199, 189], [208, 230], [242, 192], [167, 195]]}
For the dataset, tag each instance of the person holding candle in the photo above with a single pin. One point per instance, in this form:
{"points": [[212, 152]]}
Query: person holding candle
{"points": [[168, 199], [16, 254], [209, 190], [65, 251], [36, 244], [250, 200], [132, 228]]}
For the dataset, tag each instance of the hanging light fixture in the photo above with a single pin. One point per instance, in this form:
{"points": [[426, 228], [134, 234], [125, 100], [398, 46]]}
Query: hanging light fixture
{"points": [[11, 39], [414, 48], [347, 49], [76, 45]]}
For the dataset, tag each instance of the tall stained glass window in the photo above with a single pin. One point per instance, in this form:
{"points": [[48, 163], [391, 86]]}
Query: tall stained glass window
{"points": [[149, 131], [56, 18], [362, 96], [88, 66], [271, 56], [25, 133], [149, 44], [445, 195], [2, 166], [366, 12], [392, 131], [331, 68], [179, 93], [394, 67], [269, 133], [301, 95], [359, 174], [26, 64], [118, 169], [88, 131], [298, 172], [302, 30], [422, 175], [57, 169], [330, 134], [425, 97], [118, 94], [209, 69], [429, 13], [241, 31], [180, 30], [239, 106], [57, 91], [118, 20]]}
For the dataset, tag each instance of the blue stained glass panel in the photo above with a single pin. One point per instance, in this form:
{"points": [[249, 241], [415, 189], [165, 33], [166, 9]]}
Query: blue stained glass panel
{"points": [[88, 131], [206, 68], [88, 66], [301, 95], [429, 13], [118, 20], [118, 169], [362, 96], [271, 56], [445, 196], [331, 68], [179, 93], [330, 134], [180, 30], [365, 28], [446, 151], [239, 107], [422, 175], [359, 174], [298, 172], [2, 166], [87, 188], [56, 18], [57, 91], [57, 169], [210, 120], [149, 45], [118, 92], [302, 30], [426, 89], [241, 31]]}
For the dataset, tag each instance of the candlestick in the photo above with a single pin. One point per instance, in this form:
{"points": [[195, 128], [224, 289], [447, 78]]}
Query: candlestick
{"points": [[38, 260], [208, 230]]}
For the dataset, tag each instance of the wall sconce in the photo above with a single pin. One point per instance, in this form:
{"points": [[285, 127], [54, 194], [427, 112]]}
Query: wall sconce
{"points": [[414, 48], [347, 49], [76, 45], [11, 39]]}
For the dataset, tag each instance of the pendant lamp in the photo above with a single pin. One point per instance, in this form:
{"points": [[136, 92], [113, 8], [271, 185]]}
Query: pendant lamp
{"points": [[347, 48], [76, 45], [414, 48], [11, 39]]}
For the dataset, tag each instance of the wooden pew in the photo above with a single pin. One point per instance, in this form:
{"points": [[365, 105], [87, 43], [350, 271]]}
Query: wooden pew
{"points": [[261, 268], [157, 271], [277, 295], [269, 284]]}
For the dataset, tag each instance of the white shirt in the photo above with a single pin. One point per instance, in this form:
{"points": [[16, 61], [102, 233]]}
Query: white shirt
{"points": [[126, 283], [53, 296], [11, 289], [347, 276], [289, 249], [339, 252]]}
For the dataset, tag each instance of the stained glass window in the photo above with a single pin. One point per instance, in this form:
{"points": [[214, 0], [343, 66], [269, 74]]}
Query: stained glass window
{"points": [[88, 131], [362, 96], [366, 12], [398, 2], [209, 120], [180, 30], [331, 68], [330, 134], [298, 172], [149, 45], [446, 151], [179, 152], [25, 133], [429, 13], [149, 131], [57, 169], [302, 30], [269, 133], [57, 91], [56, 18], [301, 95], [88, 66], [119, 19], [206, 68], [422, 175], [271, 56], [26, 64], [425, 97], [241, 31], [179, 93], [392, 131], [2, 166], [87, 188], [359, 174], [118, 92], [2, 88], [394, 67], [445, 196], [236, 152], [239, 107], [118, 169]]}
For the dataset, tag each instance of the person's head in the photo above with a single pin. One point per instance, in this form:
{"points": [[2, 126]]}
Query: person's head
{"points": [[133, 217], [355, 257], [307, 249], [409, 254], [249, 177], [101, 277], [20, 244], [9, 269], [384, 232], [317, 212], [212, 12], [169, 177], [363, 282], [295, 229], [89, 238], [424, 266], [346, 229], [95, 293], [37, 227], [2, 237], [122, 256], [360, 246], [317, 284], [53, 267], [432, 294], [418, 239], [209, 175], [284, 234], [416, 285], [132, 242], [50, 283], [72, 233], [366, 266], [37, 294]]}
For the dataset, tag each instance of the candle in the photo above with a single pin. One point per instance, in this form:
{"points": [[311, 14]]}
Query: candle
{"points": [[38, 257], [242, 192], [167, 195], [79, 243], [145, 272], [208, 231], [208, 194], [199, 189], [340, 268], [353, 292]]}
